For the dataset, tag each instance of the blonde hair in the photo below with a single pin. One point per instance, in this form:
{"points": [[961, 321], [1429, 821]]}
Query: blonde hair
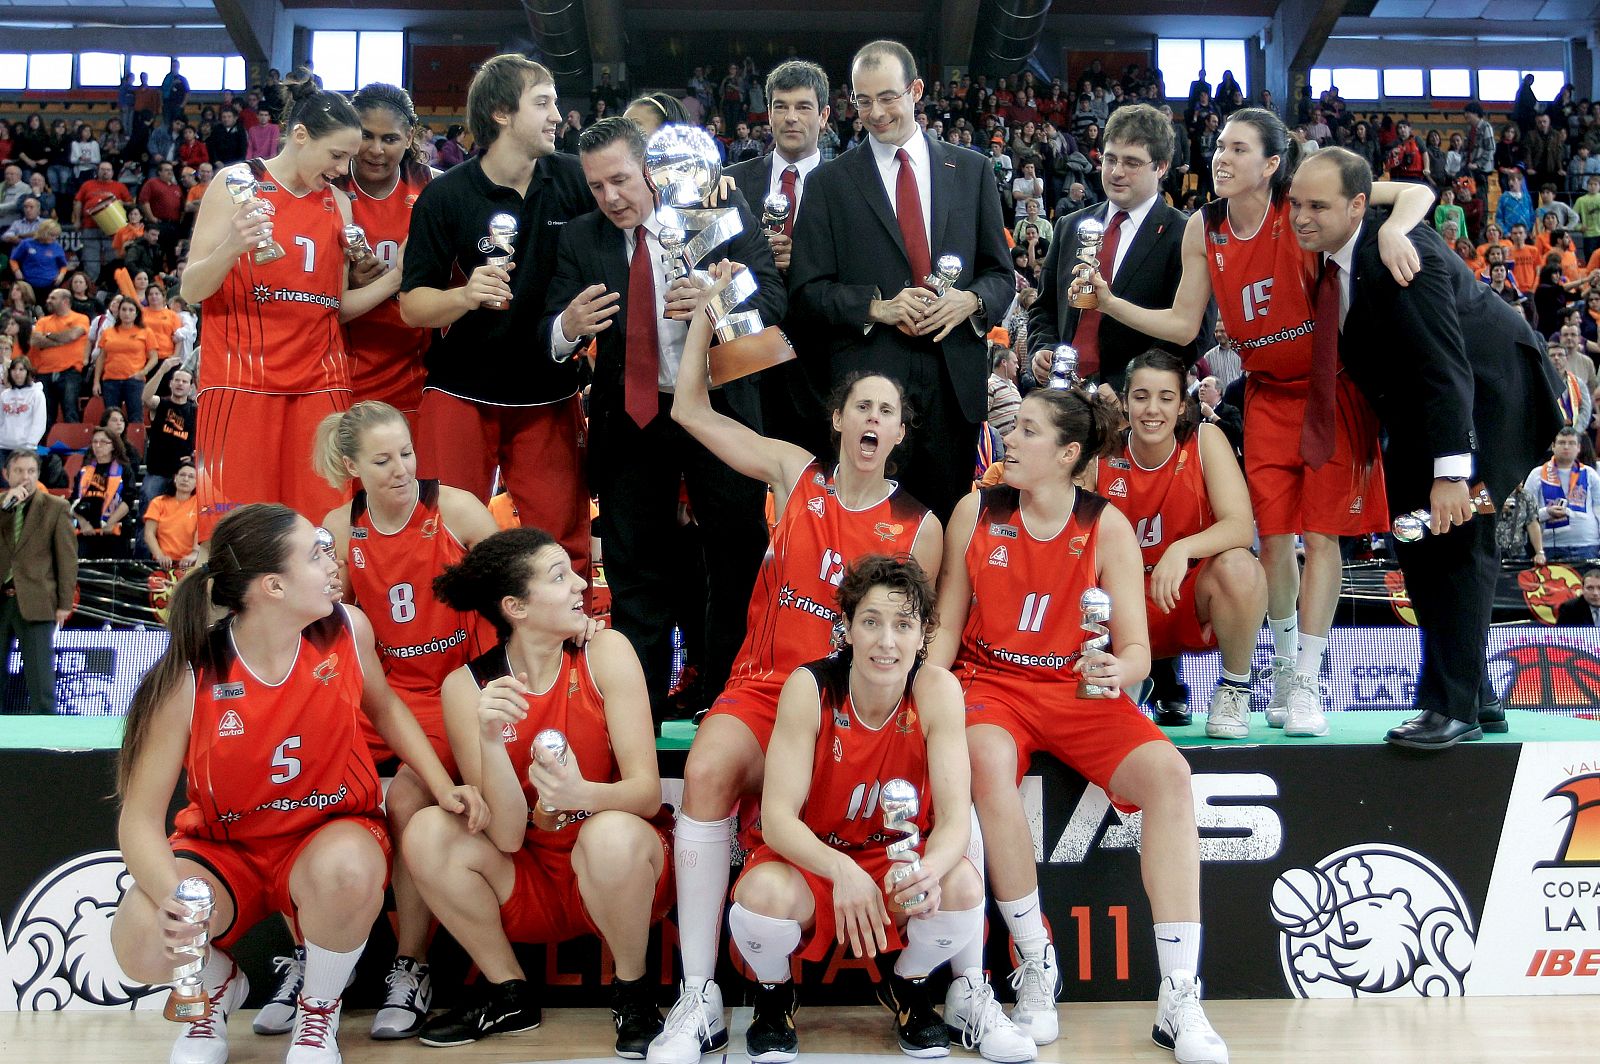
{"points": [[339, 438], [48, 227]]}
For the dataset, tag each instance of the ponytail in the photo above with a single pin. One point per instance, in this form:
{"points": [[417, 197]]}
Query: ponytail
{"points": [[339, 438], [1082, 417], [1275, 140]]}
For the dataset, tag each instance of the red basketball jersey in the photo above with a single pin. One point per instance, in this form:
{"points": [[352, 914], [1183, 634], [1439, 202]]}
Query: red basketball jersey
{"points": [[1024, 619], [275, 328], [793, 607], [277, 760], [1164, 504], [1263, 286], [852, 762], [385, 352]]}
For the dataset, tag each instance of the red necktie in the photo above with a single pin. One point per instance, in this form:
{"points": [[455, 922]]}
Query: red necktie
{"points": [[1087, 337], [642, 361], [1316, 431], [908, 211], [787, 188]]}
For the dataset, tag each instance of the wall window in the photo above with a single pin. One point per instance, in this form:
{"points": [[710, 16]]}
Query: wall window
{"points": [[203, 72], [1546, 83], [100, 69], [1500, 86], [347, 59], [233, 73], [13, 70], [1404, 81], [153, 66], [50, 70], [1321, 80], [1452, 82], [1356, 83], [1180, 60]]}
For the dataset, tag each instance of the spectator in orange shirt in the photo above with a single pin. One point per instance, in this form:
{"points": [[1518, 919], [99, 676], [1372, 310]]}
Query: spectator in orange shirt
{"points": [[59, 348], [161, 320], [132, 231], [124, 354], [1525, 259], [172, 521]]}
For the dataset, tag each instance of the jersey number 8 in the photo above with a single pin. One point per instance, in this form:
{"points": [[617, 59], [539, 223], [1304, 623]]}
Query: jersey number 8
{"points": [[402, 603]]}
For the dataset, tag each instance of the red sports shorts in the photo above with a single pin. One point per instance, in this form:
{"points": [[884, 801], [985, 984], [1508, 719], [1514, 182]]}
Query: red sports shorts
{"points": [[1180, 631], [1345, 496], [754, 704], [545, 904], [428, 708], [255, 447]]}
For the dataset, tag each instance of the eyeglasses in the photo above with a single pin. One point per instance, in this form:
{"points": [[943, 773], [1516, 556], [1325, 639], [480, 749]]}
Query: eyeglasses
{"points": [[884, 100], [1128, 163]]}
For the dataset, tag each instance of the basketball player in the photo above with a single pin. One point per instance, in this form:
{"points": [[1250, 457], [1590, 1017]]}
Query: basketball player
{"points": [[1017, 561], [828, 514], [1312, 464], [572, 849], [275, 360], [847, 725], [261, 713], [386, 176], [1179, 485]]}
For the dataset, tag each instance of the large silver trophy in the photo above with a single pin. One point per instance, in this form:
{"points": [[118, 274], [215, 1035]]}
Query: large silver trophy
{"points": [[499, 247], [1096, 607], [242, 188], [1411, 527], [684, 166], [1091, 234], [900, 804], [189, 1001]]}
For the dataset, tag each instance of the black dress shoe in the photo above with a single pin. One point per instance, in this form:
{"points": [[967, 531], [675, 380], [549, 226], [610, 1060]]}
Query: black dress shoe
{"points": [[1429, 730], [1492, 717], [1173, 714]]}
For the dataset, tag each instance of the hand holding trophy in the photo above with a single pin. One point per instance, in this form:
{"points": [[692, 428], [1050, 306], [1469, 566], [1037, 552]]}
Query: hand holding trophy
{"points": [[1081, 293]]}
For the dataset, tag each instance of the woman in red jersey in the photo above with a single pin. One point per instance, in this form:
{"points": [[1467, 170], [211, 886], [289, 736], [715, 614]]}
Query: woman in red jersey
{"points": [[275, 360], [829, 512], [1018, 561], [261, 714], [576, 844], [386, 177], [1306, 476], [1179, 485]]}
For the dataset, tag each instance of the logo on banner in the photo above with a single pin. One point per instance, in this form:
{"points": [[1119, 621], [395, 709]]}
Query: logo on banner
{"points": [[1546, 588], [1373, 920], [1394, 582], [1547, 675], [1581, 846]]}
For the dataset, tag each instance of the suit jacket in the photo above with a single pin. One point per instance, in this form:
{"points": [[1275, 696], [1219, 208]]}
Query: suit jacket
{"points": [[592, 251], [1449, 367], [848, 251], [751, 177], [1575, 613], [1149, 276], [44, 562]]}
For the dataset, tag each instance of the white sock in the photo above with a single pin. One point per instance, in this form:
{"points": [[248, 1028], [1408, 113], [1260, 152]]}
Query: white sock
{"points": [[1313, 648], [1285, 635], [970, 955], [1178, 948], [701, 855], [218, 966], [1239, 679], [763, 942], [935, 938], [327, 972], [1025, 921]]}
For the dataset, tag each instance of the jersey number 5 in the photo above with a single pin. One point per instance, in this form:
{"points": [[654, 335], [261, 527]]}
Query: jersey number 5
{"points": [[288, 767]]}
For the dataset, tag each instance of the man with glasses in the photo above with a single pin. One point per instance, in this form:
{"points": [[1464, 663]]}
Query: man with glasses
{"points": [[874, 224]]}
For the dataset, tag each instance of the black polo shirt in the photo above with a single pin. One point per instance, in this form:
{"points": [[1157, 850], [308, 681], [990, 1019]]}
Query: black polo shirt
{"points": [[495, 356]]}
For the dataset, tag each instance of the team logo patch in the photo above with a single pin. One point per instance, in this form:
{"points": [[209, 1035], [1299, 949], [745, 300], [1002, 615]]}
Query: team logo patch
{"points": [[1119, 488], [1000, 557], [327, 670], [411, 199], [430, 528], [508, 732], [1004, 531], [261, 293], [1076, 544], [819, 480], [841, 718], [222, 691], [838, 750], [1356, 506], [1118, 463], [905, 721], [572, 682], [1217, 237], [358, 533], [357, 558], [230, 725], [887, 530], [816, 505]]}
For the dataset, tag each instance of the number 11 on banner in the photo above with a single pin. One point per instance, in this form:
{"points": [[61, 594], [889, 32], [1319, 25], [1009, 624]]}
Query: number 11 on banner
{"points": [[1119, 920]]}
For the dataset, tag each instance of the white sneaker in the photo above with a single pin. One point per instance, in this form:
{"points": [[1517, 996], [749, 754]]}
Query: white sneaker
{"points": [[206, 1041], [406, 1004], [1305, 720], [316, 1032], [1282, 673], [1181, 1023], [277, 1015], [693, 1028], [973, 1016], [1037, 982], [1229, 716]]}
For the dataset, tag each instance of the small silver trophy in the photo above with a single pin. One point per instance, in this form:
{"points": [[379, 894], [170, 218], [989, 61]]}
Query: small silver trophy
{"points": [[499, 247], [242, 188], [1411, 527], [775, 213], [354, 239], [900, 805], [944, 275], [189, 1001], [550, 750], [1096, 607], [1064, 367], [1091, 234]]}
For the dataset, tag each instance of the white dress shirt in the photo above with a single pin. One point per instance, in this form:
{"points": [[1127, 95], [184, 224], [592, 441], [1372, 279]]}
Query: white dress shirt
{"points": [[1128, 230], [803, 170], [889, 171]]}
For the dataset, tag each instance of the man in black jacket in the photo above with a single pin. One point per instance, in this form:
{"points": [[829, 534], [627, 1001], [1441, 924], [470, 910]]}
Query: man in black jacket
{"points": [[637, 454], [1446, 364], [1583, 611], [875, 222]]}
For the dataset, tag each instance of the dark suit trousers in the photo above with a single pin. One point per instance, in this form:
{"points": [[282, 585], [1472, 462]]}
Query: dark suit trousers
{"points": [[34, 641], [639, 535], [1451, 581], [942, 443]]}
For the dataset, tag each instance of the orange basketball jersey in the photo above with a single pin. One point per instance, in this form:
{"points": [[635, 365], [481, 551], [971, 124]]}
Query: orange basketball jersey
{"points": [[274, 328], [1024, 619], [385, 352], [852, 762], [277, 760], [1164, 504], [1263, 286], [793, 608]]}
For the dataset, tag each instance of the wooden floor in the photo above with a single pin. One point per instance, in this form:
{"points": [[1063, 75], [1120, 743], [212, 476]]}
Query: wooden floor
{"points": [[1457, 1031]]}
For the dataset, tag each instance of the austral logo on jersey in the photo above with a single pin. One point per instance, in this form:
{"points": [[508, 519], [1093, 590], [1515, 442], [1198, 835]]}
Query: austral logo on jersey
{"points": [[1118, 488], [1000, 558], [817, 505], [788, 598], [230, 725]]}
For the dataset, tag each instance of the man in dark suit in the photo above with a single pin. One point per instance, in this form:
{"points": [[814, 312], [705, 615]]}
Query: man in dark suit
{"points": [[1142, 255], [1583, 611], [1446, 364], [39, 563], [792, 393], [610, 283], [874, 223]]}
